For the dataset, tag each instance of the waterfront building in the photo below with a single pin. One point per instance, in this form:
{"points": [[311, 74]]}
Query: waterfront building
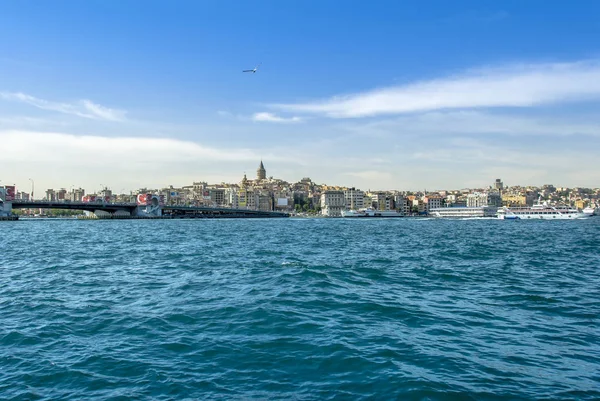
{"points": [[282, 199], [173, 196], [306, 184], [518, 199], [332, 203], [76, 195], [389, 202], [419, 205], [23, 196], [381, 201], [511, 199], [198, 186], [432, 202], [400, 203], [451, 198], [217, 196], [232, 198], [354, 198], [264, 202], [300, 197], [105, 193], [60, 195], [479, 199], [248, 199], [50, 195]]}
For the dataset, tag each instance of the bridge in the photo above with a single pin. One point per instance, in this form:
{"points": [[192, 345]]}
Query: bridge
{"points": [[134, 210]]}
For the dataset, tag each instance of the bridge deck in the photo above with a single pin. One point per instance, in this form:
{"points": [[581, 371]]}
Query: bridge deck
{"points": [[171, 210]]}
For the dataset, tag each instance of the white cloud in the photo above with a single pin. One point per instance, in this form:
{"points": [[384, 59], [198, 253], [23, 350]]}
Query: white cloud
{"points": [[513, 86], [272, 118], [469, 122], [83, 108], [58, 160], [371, 175], [101, 112], [44, 146]]}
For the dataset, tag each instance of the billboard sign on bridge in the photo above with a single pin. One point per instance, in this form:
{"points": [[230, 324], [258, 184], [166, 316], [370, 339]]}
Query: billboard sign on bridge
{"points": [[9, 193], [149, 199]]}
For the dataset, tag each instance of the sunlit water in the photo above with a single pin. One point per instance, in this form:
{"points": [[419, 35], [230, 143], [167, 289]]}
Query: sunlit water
{"points": [[300, 309]]}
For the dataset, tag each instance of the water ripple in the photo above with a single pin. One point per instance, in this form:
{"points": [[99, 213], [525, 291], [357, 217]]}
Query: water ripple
{"points": [[300, 309]]}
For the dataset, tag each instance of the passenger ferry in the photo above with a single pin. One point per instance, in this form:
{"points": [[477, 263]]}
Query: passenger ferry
{"points": [[370, 212], [464, 212], [540, 211]]}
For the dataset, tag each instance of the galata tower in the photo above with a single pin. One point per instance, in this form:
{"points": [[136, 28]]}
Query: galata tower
{"points": [[261, 173]]}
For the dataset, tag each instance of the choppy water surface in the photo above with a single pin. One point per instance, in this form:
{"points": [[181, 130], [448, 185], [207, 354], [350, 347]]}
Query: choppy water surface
{"points": [[300, 309]]}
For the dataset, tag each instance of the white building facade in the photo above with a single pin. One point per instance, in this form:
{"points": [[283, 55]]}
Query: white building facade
{"points": [[479, 199], [332, 203], [355, 198]]}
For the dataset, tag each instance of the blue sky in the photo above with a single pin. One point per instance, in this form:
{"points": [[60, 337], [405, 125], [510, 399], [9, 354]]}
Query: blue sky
{"points": [[389, 95]]}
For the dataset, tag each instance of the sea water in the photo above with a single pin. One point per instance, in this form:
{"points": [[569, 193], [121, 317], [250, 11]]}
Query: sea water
{"points": [[300, 309]]}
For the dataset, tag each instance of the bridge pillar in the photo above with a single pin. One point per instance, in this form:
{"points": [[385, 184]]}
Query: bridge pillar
{"points": [[5, 208], [102, 213], [6, 196], [105, 214]]}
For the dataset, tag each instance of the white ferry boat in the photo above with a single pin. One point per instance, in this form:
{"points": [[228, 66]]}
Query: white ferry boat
{"points": [[463, 212], [540, 211], [370, 212], [590, 211]]}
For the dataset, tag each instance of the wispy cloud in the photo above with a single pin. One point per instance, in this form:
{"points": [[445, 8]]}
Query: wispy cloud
{"points": [[523, 85], [273, 118], [371, 175], [82, 108], [472, 122], [47, 145], [58, 159]]}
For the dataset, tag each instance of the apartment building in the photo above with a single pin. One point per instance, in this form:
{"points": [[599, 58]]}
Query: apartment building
{"points": [[332, 203], [354, 198]]}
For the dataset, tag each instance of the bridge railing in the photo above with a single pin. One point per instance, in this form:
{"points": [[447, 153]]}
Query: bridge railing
{"points": [[67, 202]]}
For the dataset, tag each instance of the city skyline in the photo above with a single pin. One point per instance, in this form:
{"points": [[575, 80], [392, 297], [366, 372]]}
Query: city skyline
{"points": [[263, 180], [382, 97]]}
